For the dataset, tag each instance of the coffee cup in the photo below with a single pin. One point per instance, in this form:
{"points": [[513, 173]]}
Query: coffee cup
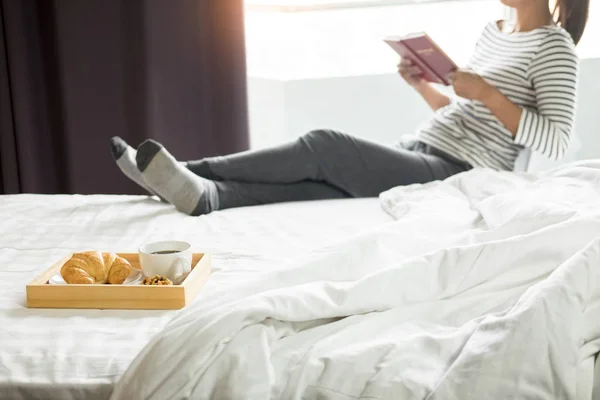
{"points": [[169, 258]]}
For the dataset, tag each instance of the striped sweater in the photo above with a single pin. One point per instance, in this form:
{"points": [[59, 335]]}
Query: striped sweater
{"points": [[537, 70]]}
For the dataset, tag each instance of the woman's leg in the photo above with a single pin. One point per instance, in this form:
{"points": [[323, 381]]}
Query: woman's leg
{"points": [[194, 195], [240, 194], [124, 156], [321, 164], [355, 166], [231, 194]]}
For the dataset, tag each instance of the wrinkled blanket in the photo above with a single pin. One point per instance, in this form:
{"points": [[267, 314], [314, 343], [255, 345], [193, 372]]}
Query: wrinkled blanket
{"points": [[486, 286]]}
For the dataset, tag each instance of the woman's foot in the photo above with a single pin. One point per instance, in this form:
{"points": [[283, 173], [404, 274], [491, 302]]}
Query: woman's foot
{"points": [[124, 156], [189, 193]]}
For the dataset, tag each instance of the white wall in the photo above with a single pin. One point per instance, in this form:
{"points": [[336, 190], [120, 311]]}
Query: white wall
{"points": [[266, 109], [376, 107]]}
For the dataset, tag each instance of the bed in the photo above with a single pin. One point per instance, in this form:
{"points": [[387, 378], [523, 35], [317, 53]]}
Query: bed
{"points": [[290, 276]]}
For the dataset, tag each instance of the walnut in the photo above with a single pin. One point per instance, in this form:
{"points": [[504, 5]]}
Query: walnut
{"points": [[157, 280]]}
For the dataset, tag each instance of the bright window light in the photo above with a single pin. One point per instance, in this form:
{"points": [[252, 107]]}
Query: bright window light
{"points": [[286, 44], [349, 41]]}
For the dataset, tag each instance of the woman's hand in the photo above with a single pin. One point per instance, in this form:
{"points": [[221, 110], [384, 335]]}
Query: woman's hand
{"points": [[414, 77], [469, 85], [410, 73]]}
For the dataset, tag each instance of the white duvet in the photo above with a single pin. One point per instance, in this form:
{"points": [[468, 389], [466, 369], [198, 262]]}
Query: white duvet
{"points": [[487, 286]]}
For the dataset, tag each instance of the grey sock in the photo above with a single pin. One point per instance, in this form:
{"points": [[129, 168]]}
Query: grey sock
{"points": [[189, 193], [124, 156]]}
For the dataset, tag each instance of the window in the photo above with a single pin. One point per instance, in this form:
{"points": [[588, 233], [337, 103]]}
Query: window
{"points": [[347, 41], [285, 40]]}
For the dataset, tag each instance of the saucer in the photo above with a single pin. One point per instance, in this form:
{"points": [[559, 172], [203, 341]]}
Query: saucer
{"points": [[134, 279]]}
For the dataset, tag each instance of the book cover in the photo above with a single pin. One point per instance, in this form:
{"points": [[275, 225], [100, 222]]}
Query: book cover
{"points": [[425, 54]]}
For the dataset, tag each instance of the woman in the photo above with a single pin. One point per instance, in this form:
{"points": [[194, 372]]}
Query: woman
{"points": [[519, 91]]}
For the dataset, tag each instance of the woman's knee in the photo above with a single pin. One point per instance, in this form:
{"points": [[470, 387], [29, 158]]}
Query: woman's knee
{"points": [[322, 137]]}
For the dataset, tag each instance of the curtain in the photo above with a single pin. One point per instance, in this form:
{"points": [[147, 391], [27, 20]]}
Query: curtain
{"points": [[75, 73]]}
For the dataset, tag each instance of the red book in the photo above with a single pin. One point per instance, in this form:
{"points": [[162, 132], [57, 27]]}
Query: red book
{"points": [[425, 54]]}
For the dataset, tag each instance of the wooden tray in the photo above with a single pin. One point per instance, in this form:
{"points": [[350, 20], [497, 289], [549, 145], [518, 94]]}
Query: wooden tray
{"points": [[40, 294]]}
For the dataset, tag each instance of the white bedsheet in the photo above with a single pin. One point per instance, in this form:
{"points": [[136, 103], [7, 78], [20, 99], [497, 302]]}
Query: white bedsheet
{"points": [[80, 354], [486, 286]]}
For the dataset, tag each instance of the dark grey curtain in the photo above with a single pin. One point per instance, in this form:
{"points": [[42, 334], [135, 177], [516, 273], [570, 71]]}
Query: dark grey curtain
{"points": [[76, 72]]}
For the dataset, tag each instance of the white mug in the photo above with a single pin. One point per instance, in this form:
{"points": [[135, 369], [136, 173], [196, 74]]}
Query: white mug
{"points": [[170, 258]]}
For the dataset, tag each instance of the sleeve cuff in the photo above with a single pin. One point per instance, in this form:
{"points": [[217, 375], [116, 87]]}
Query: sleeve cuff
{"points": [[524, 135]]}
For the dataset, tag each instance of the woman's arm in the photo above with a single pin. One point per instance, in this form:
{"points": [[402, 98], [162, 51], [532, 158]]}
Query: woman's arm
{"points": [[505, 110], [432, 96], [412, 76], [553, 74]]}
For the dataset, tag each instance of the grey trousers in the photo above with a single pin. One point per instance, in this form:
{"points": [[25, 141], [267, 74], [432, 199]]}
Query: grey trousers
{"points": [[322, 164]]}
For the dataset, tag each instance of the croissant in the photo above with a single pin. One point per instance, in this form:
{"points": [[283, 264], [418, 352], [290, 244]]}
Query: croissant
{"points": [[95, 267]]}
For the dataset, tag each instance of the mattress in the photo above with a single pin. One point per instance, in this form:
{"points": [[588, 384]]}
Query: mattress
{"points": [[80, 354]]}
